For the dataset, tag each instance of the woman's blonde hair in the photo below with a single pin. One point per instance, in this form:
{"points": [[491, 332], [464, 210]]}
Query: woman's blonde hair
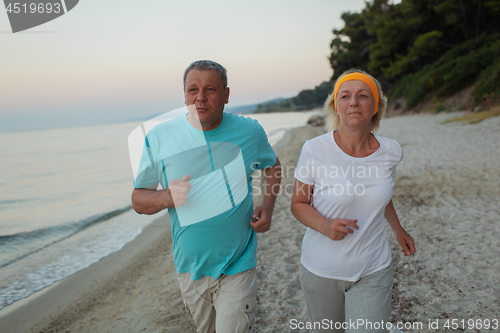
{"points": [[332, 118]]}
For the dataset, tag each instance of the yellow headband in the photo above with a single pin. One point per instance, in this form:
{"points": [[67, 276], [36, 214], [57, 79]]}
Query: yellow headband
{"points": [[360, 77]]}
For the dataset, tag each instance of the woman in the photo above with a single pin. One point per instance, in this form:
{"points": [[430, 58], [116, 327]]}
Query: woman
{"points": [[342, 193]]}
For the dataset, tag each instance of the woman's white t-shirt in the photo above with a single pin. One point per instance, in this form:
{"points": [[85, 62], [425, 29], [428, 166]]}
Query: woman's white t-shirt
{"points": [[350, 188]]}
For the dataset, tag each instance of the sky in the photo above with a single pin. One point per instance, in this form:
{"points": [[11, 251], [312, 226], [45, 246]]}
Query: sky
{"points": [[114, 61]]}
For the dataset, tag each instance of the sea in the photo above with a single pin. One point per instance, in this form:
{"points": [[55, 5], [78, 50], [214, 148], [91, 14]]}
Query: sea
{"points": [[65, 200]]}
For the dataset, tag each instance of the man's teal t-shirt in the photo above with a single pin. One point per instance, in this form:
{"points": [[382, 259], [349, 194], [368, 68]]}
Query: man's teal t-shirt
{"points": [[211, 234]]}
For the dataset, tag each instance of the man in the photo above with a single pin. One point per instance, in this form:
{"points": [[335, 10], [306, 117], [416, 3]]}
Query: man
{"points": [[204, 161]]}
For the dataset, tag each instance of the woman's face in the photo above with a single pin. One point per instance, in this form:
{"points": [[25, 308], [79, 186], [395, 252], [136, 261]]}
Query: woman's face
{"points": [[355, 103]]}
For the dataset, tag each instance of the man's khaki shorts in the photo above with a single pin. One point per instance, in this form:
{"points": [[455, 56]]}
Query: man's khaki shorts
{"points": [[225, 305]]}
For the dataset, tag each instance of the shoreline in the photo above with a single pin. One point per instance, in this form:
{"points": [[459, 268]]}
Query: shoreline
{"points": [[26, 313]]}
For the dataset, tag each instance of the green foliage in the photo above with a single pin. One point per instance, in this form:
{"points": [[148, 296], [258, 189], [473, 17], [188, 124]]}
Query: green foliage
{"points": [[305, 97], [488, 83], [425, 45], [311, 98], [395, 29], [439, 108], [281, 106], [391, 41], [351, 45], [455, 70], [306, 100]]}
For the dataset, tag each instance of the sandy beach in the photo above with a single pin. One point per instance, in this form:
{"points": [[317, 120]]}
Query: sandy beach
{"points": [[446, 195]]}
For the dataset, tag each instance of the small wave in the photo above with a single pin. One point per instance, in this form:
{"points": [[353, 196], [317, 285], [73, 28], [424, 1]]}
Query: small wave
{"points": [[70, 256], [60, 233], [8, 202]]}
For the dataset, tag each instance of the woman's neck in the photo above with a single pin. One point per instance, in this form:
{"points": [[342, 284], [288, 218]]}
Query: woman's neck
{"points": [[356, 143]]}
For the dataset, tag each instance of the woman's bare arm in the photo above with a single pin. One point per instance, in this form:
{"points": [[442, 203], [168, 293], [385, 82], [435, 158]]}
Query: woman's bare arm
{"points": [[404, 239], [301, 208]]}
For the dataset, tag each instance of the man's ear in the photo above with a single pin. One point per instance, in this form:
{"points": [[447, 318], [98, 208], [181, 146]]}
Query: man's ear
{"points": [[227, 96]]}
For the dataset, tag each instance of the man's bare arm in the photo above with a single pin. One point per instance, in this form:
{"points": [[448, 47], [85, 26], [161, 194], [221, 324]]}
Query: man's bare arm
{"points": [[150, 201], [263, 214]]}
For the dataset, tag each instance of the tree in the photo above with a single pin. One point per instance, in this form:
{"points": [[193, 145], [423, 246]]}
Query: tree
{"points": [[351, 45], [391, 41]]}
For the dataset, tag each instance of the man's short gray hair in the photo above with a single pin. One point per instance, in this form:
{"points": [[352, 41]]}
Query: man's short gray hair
{"points": [[206, 65]]}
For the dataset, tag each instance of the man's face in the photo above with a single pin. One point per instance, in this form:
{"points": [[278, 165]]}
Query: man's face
{"points": [[205, 97]]}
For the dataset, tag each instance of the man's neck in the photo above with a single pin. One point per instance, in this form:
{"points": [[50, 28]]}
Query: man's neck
{"points": [[204, 126]]}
